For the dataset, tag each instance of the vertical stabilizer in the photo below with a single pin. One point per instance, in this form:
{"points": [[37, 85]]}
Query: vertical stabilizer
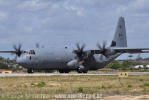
{"points": [[120, 39]]}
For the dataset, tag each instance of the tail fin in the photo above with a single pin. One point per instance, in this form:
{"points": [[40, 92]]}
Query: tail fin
{"points": [[120, 39]]}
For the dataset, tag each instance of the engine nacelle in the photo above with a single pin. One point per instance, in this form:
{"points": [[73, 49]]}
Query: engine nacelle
{"points": [[73, 64], [109, 52]]}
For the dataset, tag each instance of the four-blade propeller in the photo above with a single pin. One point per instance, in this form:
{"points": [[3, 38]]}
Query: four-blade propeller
{"points": [[103, 49], [18, 50], [80, 51]]}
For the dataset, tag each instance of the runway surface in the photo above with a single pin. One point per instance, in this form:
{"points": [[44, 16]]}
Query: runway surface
{"points": [[75, 74]]}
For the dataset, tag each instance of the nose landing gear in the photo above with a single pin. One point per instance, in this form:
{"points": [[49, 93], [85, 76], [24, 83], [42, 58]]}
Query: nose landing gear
{"points": [[30, 70]]}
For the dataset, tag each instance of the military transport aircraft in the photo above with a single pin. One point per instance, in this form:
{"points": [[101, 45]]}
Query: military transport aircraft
{"points": [[66, 59]]}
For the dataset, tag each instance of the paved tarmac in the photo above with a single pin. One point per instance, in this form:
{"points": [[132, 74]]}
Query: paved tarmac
{"points": [[75, 74]]}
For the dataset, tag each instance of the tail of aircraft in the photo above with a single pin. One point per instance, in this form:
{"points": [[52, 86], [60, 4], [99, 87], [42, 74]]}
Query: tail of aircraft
{"points": [[120, 39]]}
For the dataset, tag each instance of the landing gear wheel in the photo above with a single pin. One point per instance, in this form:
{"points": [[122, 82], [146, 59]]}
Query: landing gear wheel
{"points": [[61, 71], [49, 71], [30, 70], [66, 71], [85, 71], [82, 71], [79, 71]]}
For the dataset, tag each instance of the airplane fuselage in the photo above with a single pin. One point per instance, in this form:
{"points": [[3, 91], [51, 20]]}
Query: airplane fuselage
{"points": [[57, 59]]}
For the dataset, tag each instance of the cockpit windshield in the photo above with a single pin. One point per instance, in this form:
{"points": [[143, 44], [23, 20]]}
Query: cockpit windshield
{"points": [[31, 52]]}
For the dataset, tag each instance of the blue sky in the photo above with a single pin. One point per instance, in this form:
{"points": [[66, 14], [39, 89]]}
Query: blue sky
{"points": [[65, 22]]}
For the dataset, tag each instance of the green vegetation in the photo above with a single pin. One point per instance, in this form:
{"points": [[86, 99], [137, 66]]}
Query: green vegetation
{"points": [[124, 65], [129, 86], [40, 84], [114, 65], [80, 90], [146, 84], [141, 80], [9, 64], [3, 66], [4, 63], [102, 87], [127, 64]]}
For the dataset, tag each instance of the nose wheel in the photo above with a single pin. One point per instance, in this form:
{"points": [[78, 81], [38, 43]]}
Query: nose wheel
{"points": [[30, 70]]}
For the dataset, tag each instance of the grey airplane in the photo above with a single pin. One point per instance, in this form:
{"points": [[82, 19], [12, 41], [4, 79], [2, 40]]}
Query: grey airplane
{"points": [[66, 59]]}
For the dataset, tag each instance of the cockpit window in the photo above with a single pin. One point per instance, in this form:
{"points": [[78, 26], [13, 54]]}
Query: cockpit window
{"points": [[31, 52]]}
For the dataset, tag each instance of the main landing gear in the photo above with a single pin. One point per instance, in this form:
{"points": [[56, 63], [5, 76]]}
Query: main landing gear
{"points": [[82, 69], [85, 71]]}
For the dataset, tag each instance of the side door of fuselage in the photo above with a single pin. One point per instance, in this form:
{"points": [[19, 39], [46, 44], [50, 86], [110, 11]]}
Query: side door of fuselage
{"points": [[65, 58]]}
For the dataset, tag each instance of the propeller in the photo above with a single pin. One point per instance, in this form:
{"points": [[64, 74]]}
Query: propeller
{"points": [[103, 49], [81, 55], [17, 50], [80, 51]]}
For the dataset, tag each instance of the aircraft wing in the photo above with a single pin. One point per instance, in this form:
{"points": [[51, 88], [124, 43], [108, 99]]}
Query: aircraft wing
{"points": [[137, 50], [124, 50], [7, 51]]}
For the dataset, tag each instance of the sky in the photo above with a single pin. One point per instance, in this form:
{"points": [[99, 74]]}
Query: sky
{"points": [[55, 23]]}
